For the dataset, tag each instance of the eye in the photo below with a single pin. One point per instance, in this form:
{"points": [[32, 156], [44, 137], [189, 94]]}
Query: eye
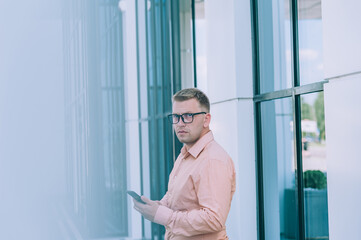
{"points": [[188, 115]]}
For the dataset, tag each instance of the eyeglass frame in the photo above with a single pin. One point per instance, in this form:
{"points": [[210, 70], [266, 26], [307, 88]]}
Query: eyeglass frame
{"points": [[170, 117]]}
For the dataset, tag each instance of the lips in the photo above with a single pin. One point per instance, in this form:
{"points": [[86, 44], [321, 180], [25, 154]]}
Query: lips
{"points": [[181, 131]]}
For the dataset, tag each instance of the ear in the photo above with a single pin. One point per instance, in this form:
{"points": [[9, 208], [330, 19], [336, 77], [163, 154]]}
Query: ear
{"points": [[207, 120]]}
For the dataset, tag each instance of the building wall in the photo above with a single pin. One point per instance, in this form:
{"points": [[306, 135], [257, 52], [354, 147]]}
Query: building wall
{"points": [[229, 86], [342, 64]]}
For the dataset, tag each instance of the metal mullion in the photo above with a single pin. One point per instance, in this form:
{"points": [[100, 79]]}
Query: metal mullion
{"points": [[150, 54], [297, 120], [305, 89], [310, 88], [273, 95], [258, 127], [298, 162], [194, 44], [255, 47], [139, 106], [259, 172], [294, 41]]}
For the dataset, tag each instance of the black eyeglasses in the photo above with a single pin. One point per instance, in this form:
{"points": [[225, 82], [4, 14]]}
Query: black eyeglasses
{"points": [[186, 117]]}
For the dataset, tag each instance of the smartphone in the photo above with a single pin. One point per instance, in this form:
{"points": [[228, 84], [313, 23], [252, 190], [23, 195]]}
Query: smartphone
{"points": [[135, 196]]}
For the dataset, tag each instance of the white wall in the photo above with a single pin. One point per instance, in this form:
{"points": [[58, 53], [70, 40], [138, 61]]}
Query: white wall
{"points": [[230, 89], [341, 34], [32, 167], [342, 64], [343, 131]]}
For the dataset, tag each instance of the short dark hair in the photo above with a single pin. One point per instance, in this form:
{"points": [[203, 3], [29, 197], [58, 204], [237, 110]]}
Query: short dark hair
{"points": [[190, 93]]}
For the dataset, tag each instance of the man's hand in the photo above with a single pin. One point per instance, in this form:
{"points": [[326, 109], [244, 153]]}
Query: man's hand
{"points": [[148, 210]]}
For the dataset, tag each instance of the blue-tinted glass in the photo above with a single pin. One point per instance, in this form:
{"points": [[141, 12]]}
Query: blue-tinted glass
{"points": [[278, 169], [310, 41], [114, 210], [314, 166], [95, 118], [159, 94], [275, 65]]}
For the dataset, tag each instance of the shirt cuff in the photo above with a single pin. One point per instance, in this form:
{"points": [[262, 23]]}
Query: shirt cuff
{"points": [[163, 215]]}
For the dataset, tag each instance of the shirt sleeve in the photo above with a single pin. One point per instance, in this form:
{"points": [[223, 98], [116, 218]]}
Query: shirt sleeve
{"points": [[164, 200], [214, 188]]}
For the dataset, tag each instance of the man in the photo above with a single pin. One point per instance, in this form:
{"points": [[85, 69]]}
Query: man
{"points": [[202, 182]]}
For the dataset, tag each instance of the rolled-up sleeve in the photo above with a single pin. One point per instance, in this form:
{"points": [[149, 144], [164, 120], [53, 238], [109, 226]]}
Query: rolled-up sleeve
{"points": [[214, 188]]}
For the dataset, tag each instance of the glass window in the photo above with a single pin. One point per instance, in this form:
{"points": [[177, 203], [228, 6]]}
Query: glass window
{"points": [[279, 189], [289, 211], [164, 61], [310, 41], [94, 89], [113, 120], [274, 45], [314, 166]]}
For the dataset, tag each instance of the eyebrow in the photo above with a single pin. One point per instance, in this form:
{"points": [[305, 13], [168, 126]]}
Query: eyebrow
{"points": [[182, 113]]}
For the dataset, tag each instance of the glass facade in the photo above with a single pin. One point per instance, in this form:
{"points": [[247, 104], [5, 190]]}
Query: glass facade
{"points": [[288, 102], [278, 167], [97, 125], [314, 166], [95, 120], [310, 41], [291, 157], [163, 80], [113, 118], [274, 45]]}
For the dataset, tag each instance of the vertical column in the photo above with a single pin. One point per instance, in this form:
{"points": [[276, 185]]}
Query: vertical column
{"points": [[342, 65], [131, 109]]}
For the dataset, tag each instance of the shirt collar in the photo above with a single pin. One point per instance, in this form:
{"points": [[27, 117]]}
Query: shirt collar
{"points": [[197, 148]]}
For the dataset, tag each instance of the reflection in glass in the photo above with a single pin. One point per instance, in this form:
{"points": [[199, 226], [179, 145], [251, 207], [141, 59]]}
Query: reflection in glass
{"points": [[314, 166], [113, 121], [163, 68], [310, 41], [274, 45], [95, 120], [278, 169]]}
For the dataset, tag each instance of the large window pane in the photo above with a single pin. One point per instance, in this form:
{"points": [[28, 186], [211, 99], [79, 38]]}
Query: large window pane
{"points": [[314, 166], [310, 41], [278, 168], [274, 45], [94, 89], [163, 79]]}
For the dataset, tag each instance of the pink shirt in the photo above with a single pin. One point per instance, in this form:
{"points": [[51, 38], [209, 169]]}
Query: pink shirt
{"points": [[200, 190]]}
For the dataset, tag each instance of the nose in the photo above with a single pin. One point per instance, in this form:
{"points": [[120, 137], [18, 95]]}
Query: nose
{"points": [[180, 123]]}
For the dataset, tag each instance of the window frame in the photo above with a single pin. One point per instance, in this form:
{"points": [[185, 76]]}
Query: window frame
{"points": [[295, 93]]}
